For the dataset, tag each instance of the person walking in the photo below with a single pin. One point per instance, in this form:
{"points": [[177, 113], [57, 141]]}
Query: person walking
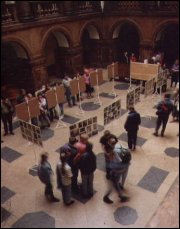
{"points": [[104, 140], [116, 169], [87, 165], [64, 179], [45, 174], [7, 111], [70, 99], [131, 126], [164, 109]]}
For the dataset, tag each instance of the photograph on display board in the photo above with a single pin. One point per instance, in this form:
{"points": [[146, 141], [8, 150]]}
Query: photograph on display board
{"points": [[137, 93], [88, 127], [130, 99], [112, 112], [31, 133]]}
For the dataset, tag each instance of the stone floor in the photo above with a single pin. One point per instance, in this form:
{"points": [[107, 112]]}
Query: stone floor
{"points": [[152, 182]]}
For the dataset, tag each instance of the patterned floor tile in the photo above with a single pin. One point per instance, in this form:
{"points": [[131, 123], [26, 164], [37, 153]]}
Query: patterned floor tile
{"points": [[4, 214], [70, 119], [90, 106], [35, 220], [153, 179], [140, 140], [125, 215], [6, 194], [172, 152], [9, 154]]}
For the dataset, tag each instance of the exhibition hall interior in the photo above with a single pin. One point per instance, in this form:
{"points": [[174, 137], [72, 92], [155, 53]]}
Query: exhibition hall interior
{"points": [[89, 114]]}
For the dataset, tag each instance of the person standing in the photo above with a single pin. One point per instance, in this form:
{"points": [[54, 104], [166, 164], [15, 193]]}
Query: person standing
{"points": [[131, 126], [133, 58], [45, 174], [164, 109], [7, 111], [175, 73], [66, 83], [22, 96], [87, 165], [88, 84], [71, 151], [64, 179]]}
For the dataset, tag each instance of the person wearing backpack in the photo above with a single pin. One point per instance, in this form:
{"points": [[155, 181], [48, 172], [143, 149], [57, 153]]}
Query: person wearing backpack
{"points": [[116, 168], [123, 156], [87, 165], [131, 126], [64, 179], [104, 140], [164, 109], [45, 175]]}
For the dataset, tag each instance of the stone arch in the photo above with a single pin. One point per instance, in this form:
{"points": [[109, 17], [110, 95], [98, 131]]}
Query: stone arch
{"points": [[167, 32], [93, 27], [119, 23], [90, 39], [161, 26], [21, 45], [16, 66], [57, 30]]}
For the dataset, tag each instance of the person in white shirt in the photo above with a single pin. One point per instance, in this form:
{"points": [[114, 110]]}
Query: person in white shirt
{"points": [[43, 110], [64, 179]]}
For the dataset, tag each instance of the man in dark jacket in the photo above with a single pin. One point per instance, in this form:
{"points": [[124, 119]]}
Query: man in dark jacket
{"points": [[87, 165], [7, 111], [131, 126], [164, 109]]}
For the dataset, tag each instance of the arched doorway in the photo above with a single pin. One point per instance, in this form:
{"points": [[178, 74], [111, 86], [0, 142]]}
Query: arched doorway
{"points": [[126, 38], [167, 42], [56, 51], [16, 70], [90, 41]]}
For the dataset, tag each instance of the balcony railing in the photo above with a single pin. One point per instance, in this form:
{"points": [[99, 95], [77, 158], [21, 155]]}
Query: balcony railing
{"points": [[142, 7], [8, 14], [87, 6], [47, 9]]}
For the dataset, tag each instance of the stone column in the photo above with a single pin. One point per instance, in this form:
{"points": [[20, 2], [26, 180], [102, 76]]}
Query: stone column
{"points": [[25, 12], [146, 50], [39, 72]]}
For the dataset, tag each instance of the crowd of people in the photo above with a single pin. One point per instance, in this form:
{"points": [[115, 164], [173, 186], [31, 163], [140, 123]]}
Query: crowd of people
{"points": [[78, 156]]}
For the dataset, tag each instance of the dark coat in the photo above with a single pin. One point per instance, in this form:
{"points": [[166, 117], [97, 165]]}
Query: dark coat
{"points": [[165, 107], [87, 163], [133, 121]]}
